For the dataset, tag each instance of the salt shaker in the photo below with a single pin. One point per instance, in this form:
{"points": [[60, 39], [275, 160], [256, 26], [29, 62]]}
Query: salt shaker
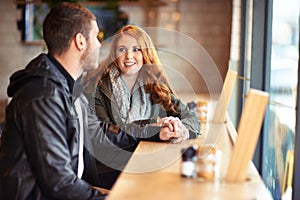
{"points": [[188, 162]]}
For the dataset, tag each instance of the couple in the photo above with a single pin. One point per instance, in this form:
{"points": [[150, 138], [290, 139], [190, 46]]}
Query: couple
{"points": [[51, 134]]}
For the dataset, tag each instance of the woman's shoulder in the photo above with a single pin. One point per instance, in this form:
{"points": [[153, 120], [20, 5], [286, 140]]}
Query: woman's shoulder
{"points": [[175, 98], [104, 84], [104, 89]]}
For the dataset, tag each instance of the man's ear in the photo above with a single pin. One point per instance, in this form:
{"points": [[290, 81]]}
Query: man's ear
{"points": [[80, 41]]}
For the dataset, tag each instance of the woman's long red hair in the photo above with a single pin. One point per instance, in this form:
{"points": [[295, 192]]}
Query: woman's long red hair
{"points": [[155, 81]]}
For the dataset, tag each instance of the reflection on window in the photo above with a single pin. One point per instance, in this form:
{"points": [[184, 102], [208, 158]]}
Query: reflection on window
{"points": [[279, 139]]}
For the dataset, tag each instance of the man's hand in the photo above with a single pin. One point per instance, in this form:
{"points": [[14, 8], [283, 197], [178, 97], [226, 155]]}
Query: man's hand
{"points": [[173, 130]]}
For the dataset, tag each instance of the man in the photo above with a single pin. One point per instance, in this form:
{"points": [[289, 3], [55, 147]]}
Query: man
{"points": [[47, 143]]}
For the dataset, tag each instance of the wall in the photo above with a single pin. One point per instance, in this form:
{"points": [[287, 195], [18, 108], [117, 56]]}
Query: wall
{"points": [[13, 54], [203, 37], [203, 23]]}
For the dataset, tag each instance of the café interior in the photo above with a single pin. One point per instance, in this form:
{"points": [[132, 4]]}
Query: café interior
{"points": [[235, 61]]}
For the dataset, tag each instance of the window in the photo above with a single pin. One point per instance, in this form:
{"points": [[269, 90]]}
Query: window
{"points": [[279, 135], [274, 63]]}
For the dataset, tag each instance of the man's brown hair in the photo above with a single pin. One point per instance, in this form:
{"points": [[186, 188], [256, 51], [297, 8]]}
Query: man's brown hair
{"points": [[63, 22]]}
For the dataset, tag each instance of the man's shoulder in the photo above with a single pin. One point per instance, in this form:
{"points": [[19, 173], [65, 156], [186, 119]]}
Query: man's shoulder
{"points": [[43, 77], [39, 88]]}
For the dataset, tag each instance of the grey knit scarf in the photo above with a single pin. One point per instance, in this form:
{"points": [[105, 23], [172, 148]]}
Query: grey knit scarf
{"points": [[132, 107]]}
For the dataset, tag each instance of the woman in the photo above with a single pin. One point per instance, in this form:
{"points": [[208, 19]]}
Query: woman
{"points": [[133, 87]]}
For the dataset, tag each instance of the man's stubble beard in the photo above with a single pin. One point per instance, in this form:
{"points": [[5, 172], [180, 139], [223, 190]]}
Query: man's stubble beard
{"points": [[90, 58]]}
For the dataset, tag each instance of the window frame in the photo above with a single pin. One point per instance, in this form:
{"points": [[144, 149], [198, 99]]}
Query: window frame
{"points": [[261, 35]]}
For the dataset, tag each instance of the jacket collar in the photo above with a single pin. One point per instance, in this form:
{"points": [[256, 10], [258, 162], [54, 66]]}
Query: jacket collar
{"points": [[63, 71], [75, 86]]}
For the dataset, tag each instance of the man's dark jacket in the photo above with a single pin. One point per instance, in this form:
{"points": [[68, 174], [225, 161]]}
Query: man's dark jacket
{"points": [[39, 144]]}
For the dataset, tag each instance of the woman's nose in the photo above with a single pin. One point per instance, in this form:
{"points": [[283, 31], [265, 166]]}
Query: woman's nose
{"points": [[128, 54]]}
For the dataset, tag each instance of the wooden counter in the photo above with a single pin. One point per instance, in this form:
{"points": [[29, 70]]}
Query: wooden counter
{"points": [[153, 172]]}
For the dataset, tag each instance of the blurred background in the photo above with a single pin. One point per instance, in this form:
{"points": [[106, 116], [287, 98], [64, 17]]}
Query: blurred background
{"points": [[258, 39]]}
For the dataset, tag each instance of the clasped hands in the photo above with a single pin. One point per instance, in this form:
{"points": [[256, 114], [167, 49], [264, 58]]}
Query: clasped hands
{"points": [[172, 130]]}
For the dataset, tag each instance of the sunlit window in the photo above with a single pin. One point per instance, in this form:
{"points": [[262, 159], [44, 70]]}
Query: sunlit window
{"points": [[279, 140]]}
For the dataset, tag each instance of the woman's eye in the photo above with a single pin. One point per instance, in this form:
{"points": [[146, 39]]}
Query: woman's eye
{"points": [[136, 49], [122, 49]]}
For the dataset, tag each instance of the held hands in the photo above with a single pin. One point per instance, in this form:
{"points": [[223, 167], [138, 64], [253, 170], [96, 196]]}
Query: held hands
{"points": [[173, 130]]}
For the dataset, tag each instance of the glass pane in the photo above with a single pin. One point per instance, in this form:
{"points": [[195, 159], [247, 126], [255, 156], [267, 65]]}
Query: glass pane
{"points": [[279, 139]]}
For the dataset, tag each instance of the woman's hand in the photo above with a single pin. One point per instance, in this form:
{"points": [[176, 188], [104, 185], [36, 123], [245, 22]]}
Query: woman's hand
{"points": [[173, 130]]}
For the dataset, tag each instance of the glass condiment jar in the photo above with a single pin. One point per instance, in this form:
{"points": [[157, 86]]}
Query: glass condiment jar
{"points": [[206, 164], [202, 110]]}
